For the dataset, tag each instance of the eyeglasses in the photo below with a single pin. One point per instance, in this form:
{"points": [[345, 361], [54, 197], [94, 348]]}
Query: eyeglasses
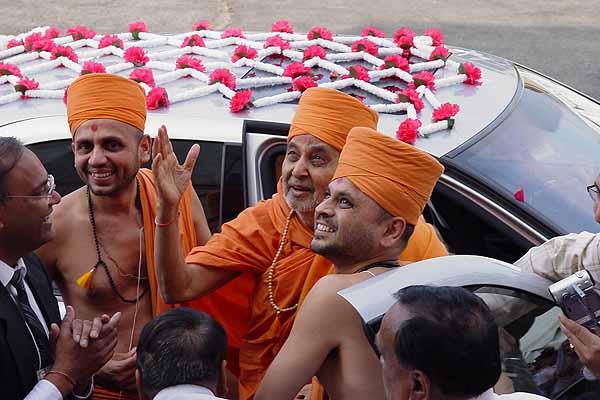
{"points": [[594, 192], [50, 187]]}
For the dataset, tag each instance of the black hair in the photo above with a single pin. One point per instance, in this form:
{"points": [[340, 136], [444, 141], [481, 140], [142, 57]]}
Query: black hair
{"points": [[180, 346], [11, 151], [451, 337]]}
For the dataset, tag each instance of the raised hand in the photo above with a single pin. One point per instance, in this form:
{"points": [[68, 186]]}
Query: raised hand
{"points": [[172, 179], [585, 343]]}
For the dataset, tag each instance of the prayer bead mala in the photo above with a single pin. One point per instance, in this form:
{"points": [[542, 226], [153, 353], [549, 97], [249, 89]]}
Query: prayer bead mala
{"points": [[271, 269]]}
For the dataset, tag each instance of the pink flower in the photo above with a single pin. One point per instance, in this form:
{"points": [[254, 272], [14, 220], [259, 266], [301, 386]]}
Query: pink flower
{"points": [[9, 69], [193, 40], [25, 84], [52, 32], [241, 101], [232, 32], [445, 111], [372, 31], [110, 40], [473, 73], [303, 82], [403, 37], [423, 78], [135, 28], [314, 51], [277, 41], [395, 61], [136, 56], [408, 130], [243, 52], [91, 67], [319, 32], [365, 45], [358, 72], [143, 75], [81, 32], [14, 43], [439, 53], [187, 61], [409, 95], [224, 76], [157, 98], [436, 35], [295, 70], [202, 25], [282, 25], [37, 42], [64, 51], [65, 95]]}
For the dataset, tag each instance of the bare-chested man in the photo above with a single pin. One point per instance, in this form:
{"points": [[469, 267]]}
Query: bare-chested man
{"points": [[379, 189], [107, 227]]}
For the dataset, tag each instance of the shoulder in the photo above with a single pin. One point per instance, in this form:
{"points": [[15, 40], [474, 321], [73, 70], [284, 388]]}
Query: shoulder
{"points": [[69, 205], [323, 298]]}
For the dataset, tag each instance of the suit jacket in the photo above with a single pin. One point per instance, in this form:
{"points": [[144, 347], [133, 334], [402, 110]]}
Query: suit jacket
{"points": [[18, 355]]}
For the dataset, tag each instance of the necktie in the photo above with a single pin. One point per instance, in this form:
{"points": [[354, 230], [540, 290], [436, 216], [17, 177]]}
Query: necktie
{"points": [[34, 324]]}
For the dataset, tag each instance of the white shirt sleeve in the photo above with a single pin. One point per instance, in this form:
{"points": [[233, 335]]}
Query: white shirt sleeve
{"points": [[563, 256], [44, 390]]}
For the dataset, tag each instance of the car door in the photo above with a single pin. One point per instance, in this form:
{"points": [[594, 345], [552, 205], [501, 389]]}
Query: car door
{"points": [[535, 354]]}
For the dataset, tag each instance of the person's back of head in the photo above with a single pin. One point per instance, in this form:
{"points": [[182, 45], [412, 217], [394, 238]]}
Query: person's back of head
{"points": [[181, 347], [444, 338]]}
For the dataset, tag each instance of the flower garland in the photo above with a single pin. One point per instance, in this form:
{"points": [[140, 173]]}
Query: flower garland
{"points": [[406, 59]]}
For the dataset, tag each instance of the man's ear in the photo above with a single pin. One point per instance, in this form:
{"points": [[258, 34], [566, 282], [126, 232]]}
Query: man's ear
{"points": [[145, 149], [421, 386], [394, 231]]}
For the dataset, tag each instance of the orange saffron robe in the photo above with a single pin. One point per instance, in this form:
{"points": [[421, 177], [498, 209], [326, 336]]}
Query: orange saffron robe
{"points": [[229, 305], [248, 244]]}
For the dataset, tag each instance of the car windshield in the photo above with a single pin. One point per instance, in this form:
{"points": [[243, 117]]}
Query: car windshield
{"points": [[543, 155]]}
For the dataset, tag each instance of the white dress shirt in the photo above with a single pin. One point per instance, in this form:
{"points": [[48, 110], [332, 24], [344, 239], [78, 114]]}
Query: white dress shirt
{"points": [[490, 395], [186, 392]]}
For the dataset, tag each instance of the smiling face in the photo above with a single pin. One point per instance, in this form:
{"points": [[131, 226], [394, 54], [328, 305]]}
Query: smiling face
{"points": [[308, 167], [348, 225], [27, 222], [108, 154]]}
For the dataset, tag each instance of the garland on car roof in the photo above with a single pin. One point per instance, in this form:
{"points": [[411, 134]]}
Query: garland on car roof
{"points": [[407, 61]]}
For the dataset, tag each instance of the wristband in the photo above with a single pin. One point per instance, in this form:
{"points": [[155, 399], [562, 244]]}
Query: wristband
{"points": [[64, 375], [165, 224]]}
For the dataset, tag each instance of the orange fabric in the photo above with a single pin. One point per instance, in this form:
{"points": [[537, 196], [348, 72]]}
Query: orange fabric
{"points": [[248, 244], [329, 115], [101, 393], [398, 176], [96, 96], [230, 300]]}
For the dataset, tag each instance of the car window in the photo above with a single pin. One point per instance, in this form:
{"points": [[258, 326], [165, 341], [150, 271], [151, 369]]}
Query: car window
{"points": [[536, 357], [542, 157], [217, 177]]}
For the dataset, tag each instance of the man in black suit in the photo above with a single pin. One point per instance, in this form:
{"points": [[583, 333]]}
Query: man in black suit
{"points": [[39, 360]]}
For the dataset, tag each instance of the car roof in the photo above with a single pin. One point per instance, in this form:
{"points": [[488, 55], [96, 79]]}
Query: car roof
{"points": [[209, 119]]}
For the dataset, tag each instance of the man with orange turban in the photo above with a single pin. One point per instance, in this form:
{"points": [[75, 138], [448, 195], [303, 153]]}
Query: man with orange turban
{"points": [[270, 241], [102, 256], [376, 198]]}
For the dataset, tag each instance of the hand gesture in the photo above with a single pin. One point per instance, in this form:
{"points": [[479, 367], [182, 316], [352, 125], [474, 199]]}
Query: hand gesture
{"points": [[172, 179], [119, 373], [585, 343]]}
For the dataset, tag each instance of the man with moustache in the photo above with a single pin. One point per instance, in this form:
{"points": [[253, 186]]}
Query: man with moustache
{"points": [[270, 241], [373, 203]]}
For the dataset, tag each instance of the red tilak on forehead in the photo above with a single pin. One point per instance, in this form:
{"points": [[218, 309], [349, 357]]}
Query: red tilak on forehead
{"points": [[94, 127]]}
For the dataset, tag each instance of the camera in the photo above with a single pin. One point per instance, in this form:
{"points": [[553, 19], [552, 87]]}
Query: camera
{"points": [[578, 299]]}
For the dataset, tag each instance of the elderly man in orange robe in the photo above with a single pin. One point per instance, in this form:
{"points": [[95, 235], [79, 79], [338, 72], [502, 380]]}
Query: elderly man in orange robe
{"points": [[270, 241], [377, 195], [102, 256]]}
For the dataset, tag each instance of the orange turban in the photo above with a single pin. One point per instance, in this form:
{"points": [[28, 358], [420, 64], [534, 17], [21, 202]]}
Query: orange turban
{"points": [[96, 96], [329, 114], [397, 176]]}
